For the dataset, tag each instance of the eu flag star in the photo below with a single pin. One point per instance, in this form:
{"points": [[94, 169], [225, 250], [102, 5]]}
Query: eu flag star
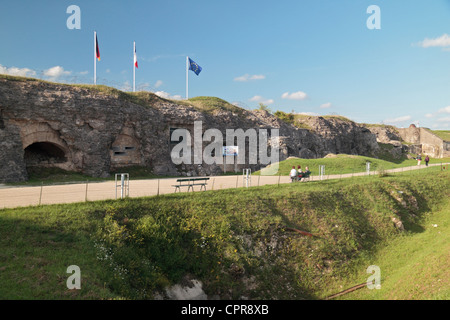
{"points": [[194, 66]]}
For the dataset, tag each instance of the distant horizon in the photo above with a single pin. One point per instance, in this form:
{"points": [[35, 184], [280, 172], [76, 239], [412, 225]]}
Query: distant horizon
{"points": [[370, 61]]}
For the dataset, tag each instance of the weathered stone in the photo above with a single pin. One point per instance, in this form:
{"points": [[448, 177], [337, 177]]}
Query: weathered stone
{"points": [[398, 224], [89, 131]]}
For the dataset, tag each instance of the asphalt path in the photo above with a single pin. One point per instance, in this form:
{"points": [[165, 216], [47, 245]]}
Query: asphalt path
{"points": [[23, 196]]}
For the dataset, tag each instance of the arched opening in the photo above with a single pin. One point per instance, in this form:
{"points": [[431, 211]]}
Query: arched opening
{"points": [[44, 154]]}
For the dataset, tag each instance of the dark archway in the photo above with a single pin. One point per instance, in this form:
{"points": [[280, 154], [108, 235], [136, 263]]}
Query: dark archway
{"points": [[44, 154]]}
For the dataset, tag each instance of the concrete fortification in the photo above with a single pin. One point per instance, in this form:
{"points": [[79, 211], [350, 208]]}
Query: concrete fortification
{"points": [[97, 130]]}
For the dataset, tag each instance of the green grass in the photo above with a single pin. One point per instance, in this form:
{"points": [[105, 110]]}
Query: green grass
{"points": [[340, 164], [143, 98], [39, 175], [301, 120], [211, 105], [443, 134], [413, 266], [235, 241], [342, 118], [343, 164], [296, 120]]}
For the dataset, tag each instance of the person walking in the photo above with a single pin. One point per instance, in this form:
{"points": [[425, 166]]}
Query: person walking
{"points": [[419, 159], [293, 174], [427, 159]]}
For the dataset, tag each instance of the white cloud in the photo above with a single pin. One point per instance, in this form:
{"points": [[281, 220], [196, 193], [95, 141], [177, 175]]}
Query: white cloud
{"points": [[445, 119], [429, 115], [166, 95], [239, 104], [445, 110], [247, 77], [21, 72], [126, 86], [325, 105], [256, 98], [398, 119], [83, 73], [143, 86], [262, 100], [158, 84], [56, 72], [442, 41], [299, 95]]}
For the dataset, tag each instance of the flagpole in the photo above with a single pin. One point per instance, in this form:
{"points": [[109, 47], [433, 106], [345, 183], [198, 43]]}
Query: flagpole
{"points": [[95, 57], [187, 78], [134, 66]]}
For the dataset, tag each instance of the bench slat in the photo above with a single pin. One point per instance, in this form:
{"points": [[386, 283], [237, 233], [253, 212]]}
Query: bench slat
{"points": [[190, 183]]}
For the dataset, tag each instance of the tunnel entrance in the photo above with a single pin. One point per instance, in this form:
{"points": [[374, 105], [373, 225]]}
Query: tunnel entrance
{"points": [[44, 154]]}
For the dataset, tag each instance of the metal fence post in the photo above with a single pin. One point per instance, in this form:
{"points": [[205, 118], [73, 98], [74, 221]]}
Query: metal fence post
{"points": [[86, 193]]}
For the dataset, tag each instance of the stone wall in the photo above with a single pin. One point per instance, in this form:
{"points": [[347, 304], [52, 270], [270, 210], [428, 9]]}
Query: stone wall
{"points": [[430, 144], [86, 130], [446, 152]]}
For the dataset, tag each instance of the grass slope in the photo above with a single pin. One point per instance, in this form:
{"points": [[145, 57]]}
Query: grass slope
{"points": [[237, 242], [412, 266], [443, 134], [343, 164], [212, 104]]}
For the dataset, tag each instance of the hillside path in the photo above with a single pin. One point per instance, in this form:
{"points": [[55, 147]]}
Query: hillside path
{"points": [[22, 196]]}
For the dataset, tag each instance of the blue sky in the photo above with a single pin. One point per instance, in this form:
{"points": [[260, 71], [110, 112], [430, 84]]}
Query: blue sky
{"points": [[316, 56]]}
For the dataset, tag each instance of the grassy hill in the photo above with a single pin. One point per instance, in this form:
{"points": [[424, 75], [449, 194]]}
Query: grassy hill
{"points": [[414, 266], [238, 243], [211, 105], [343, 163], [443, 134]]}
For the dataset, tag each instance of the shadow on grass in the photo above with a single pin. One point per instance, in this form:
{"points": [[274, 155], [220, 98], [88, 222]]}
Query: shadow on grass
{"points": [[34, 259]]}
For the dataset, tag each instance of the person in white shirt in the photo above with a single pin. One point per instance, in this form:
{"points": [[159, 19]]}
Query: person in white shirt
{"points": [[293, 174]]}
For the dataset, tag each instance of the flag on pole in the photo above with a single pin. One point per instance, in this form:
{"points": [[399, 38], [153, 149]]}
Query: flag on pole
{"points": [[97, 50], [135, 65], [135, 57], [194, 66], [96, 56], [191, 65]]}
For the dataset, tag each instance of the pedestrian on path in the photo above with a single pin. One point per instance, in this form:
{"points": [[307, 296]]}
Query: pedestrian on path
{"points": [[427, 159]]}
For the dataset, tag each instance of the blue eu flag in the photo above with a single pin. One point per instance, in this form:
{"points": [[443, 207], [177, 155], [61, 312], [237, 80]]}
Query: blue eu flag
{"points": [[194, 66]]}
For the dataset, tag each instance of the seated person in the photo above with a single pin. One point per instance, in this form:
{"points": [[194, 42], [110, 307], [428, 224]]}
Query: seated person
{"points": [[293, 174], [300, 173], [307, 173]]}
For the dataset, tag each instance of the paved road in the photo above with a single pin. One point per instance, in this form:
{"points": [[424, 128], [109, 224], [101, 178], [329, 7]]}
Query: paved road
{"points": [[11, 197]]}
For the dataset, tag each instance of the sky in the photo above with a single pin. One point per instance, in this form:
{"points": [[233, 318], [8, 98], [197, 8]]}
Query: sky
{"points": [[315, 57]]}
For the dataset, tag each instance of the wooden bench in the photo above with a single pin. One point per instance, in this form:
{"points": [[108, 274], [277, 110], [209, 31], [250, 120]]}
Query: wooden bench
{"points": [[190, 183]]}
